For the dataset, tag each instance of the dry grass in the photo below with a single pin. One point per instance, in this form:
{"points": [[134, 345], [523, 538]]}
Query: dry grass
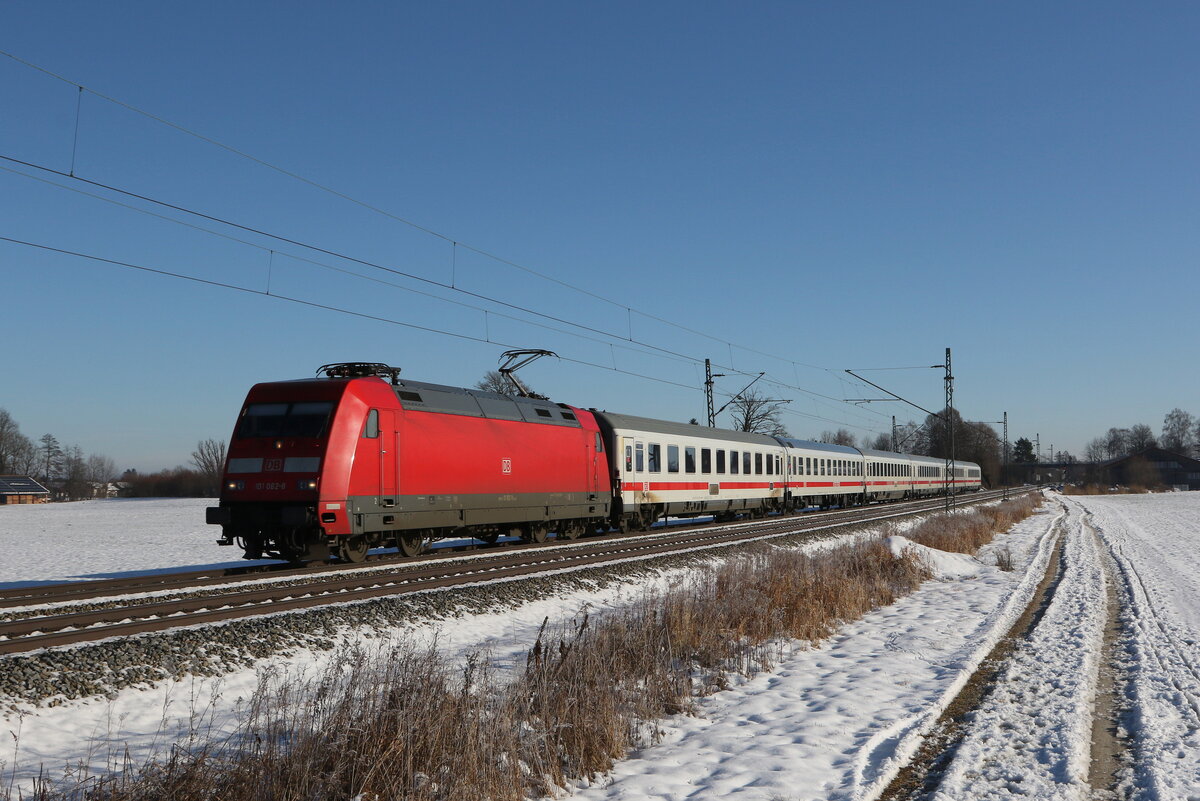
{"points": [[409, 723], [967, 532]]}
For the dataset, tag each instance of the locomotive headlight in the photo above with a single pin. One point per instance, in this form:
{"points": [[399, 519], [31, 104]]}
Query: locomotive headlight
{"points": [[306, 484], [235, 485]]}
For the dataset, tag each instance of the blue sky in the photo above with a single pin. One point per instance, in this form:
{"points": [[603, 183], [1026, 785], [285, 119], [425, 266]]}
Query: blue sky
{"points": [[796, 188]]}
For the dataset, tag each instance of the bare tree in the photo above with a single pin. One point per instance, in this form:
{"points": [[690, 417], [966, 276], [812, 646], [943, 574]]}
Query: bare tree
{"points": [[882, 442], [12, 445], [1140, 438], [1096, 450], [840, 437], [753, 412], [101, 469], [494, 381], [1177, 431], [1117, 442], [209, 459], [75, 482]]}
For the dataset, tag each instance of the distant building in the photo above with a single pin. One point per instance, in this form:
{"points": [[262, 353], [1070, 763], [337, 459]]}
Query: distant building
{"points": [[1151, 467], [21, 489]]}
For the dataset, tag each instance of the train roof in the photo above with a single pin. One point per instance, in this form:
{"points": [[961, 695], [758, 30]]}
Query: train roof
{"points": [[912, 457], [629, 421], [809, 445], [423, 396]]}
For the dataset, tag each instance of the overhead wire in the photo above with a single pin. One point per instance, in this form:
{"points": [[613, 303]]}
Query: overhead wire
{"points": [[338, 255], [334, 268], [658, 351], [315, 305], [454, 242]]}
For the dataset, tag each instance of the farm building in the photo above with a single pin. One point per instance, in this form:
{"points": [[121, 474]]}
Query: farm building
{"points": [[1152, 467], [21, 489]]}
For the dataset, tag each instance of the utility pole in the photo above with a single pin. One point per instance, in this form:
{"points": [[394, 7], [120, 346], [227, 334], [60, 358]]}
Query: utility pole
{"points": [[895, 449], [949, 465], [709, 375], [1005, 471]]}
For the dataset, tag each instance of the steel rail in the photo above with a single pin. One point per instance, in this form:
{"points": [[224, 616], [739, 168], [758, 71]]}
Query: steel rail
{"points": [[52, 630], [66, 592]]}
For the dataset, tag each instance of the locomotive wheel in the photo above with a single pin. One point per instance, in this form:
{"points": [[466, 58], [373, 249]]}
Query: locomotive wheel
{"points": [[410, 543], [570, 530], [354, 549], [488, 537], [536, 533]]}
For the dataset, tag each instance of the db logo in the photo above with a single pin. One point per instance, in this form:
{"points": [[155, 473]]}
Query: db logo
{"points": [[272, 465], [506, 466]]}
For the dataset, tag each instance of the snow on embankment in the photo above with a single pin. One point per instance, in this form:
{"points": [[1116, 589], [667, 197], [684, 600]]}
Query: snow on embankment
{"points": [[945, 566]]}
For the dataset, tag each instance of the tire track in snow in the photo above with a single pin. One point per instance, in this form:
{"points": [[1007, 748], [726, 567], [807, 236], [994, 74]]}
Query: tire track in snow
{"points": [[893, 748], [1174, 661], [1161, 660], [1031, 736]]}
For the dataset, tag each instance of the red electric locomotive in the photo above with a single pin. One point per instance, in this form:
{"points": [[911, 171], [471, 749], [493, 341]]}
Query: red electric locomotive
{"points": [[359, 458]]}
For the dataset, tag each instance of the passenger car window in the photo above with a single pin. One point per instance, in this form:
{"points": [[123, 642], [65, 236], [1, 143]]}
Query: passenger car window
{"points": [[706, 460], [672, 458], [734, 462], [654, 458], [689, 460], [721, 461]]}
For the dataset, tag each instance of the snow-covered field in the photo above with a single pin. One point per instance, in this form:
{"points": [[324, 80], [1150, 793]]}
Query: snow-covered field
{"points": [[834, 722], [52, 542]]}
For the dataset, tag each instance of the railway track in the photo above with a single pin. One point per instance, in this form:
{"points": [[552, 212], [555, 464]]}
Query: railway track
{"points": [[61, 615]]}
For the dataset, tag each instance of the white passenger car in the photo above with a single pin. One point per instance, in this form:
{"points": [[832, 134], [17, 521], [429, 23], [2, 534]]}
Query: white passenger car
{"points": [[666, 468]]}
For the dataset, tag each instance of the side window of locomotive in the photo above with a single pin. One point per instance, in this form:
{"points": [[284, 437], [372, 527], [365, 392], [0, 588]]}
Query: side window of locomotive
{"points": [[371, 429], [689, 460], [654, 457], [721, 461], [734, 462], [706, 460], [672, 458], [600, 443]]}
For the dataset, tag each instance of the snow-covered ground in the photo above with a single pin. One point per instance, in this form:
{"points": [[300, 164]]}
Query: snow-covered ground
{"points": [[52, 542], [831, 722]]}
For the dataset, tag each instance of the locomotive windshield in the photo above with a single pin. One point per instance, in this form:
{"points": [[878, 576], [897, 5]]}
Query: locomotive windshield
{"points": [[303, 419]]}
